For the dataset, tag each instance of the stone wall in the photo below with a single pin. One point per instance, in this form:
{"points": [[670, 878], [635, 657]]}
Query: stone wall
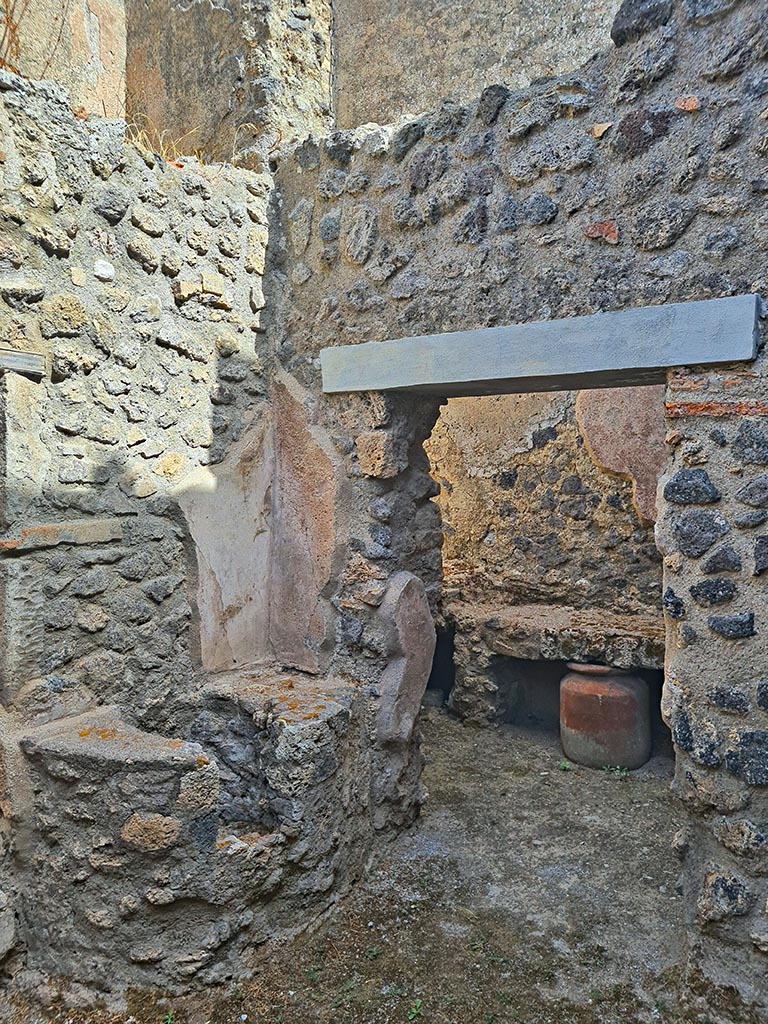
{"points": [[716, 698], [139, 284], [650, 165], [230, 80], [80, 44], [516, 538], [530, 518], [184, 770], [427, 52], [216, 627]]}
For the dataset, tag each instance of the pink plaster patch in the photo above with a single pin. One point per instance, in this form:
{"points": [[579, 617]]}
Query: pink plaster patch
{"points": [[624, 430]]}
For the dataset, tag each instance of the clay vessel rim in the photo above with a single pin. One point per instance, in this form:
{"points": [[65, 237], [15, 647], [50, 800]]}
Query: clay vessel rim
{"points": [[595, 670]]}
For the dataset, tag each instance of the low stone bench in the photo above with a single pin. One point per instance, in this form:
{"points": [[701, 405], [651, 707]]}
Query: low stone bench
{"points": [[543, 632], [179, 855]]}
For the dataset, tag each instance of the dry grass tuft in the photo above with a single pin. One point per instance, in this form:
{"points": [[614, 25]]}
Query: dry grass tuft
{"points": [[145, 135]]}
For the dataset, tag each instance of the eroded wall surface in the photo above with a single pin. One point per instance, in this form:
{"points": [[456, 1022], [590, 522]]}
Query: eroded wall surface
{"points": [[548, 504], [231, 80], [425, 52], [80, 44], [532, 516], [639, 180]]}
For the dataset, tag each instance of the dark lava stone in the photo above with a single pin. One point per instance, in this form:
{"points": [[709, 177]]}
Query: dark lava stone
{"points": [[691, 487], [696, 532], [749, 758], [507, 480], [474, 224], [508, 215], [636, 17], [755, 493], [338, 147], [661, 224], [542, 437], [751, 444], [725, 559], [762, 694], [674, 605], [349, 630], [718, 436], [729, 896], [728, 699], [701, 747], [733, 627], [682, 734], [112, 204], [406, 138], [572, 485], [748, 520], [491, 101], [638, 131], [704, 11], [761, 555], [426, 168], [716, 591], [688, 635], [539, 209]]}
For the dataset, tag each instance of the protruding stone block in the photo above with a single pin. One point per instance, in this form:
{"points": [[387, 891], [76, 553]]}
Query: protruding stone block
{"points": [[408, 621]]}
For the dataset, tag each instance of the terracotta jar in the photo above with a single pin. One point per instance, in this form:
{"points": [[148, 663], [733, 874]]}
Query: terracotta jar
{"points": [[605, 717]]}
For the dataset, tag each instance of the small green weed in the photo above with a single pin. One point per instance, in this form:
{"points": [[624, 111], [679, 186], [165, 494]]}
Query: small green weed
{"points": [[616, 771], [564, 766], [169, 1018], [372, 953], [346, 993], [415, 1011]]}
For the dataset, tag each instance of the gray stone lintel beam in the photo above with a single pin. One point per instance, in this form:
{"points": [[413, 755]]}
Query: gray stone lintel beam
{"points": [[631, 347], [31, 364]]}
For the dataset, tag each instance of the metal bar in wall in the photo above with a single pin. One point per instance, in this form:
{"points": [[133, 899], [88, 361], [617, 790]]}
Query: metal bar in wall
{"points": [[625, 348]]}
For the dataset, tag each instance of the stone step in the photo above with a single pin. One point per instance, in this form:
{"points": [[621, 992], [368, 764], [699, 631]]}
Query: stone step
{"points": [[102, 737]]}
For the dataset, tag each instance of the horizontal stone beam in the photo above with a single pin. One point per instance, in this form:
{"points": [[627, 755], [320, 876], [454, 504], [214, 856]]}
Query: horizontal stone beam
{"points": [[626, 348], [31, 364]]}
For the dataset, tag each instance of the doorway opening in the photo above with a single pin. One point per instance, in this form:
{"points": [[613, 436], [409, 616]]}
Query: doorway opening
{"points": [[547, 503]]}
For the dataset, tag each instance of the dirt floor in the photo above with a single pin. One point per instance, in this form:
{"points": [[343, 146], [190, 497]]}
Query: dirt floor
{"points": [[531, 892]]}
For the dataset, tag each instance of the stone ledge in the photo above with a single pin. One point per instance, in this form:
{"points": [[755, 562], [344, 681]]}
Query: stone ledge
{"points": [[595, 351], [288, 697], [50, 535], [557, 632], [101, 736]]}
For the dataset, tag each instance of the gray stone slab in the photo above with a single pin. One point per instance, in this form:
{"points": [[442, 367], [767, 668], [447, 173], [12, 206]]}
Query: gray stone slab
{"points": [[626, 348], [31, 364]]}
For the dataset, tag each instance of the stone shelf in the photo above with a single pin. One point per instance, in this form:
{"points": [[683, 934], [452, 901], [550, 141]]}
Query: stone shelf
{"points": [[557, 632]]}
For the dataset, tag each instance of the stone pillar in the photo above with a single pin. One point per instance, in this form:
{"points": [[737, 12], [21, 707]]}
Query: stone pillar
{"points": [[713, 534]]}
